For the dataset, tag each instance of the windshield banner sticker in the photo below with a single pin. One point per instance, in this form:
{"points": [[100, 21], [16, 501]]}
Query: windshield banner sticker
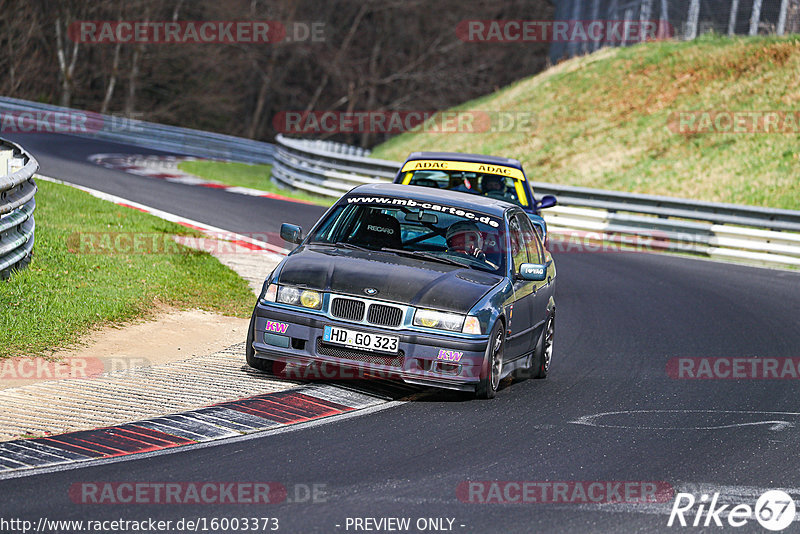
{"points": [[463, 166], [407, 202]]}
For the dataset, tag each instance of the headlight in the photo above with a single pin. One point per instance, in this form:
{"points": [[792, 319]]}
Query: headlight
{"points": [[295, 296], [311, 299], [270, 293], [440, 320]]}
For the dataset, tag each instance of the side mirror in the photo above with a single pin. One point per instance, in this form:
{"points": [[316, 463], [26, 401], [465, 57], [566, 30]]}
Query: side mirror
{"points": [[291, 233], [532, 271], [547, 201], [539, 224]]}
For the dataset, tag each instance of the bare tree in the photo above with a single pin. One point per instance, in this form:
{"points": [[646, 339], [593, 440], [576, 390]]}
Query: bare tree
{"points": [[375, 55], [112, 78], [66, 52], [133, 74], [287, 11]]}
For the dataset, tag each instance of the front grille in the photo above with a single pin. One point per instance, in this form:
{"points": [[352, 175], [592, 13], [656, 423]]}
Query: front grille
{"points": [[348, 309], [360, 355], [384, 315]]}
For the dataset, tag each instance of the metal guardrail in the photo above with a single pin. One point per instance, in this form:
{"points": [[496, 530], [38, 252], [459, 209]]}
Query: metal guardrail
{"points": [[758, 235], [17, 203], [135, 132], [327, 168]]}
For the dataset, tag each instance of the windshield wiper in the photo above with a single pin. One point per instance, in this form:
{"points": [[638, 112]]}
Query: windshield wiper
{"points": [[425, 255], [340, 244], [352, 246]]}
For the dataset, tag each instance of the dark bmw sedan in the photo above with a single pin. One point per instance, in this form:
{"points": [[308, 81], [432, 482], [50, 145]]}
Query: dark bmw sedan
{"points": [[437, 288]]}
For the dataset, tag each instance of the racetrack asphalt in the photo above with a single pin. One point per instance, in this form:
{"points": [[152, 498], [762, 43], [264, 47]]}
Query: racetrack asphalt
{"points": [[621, 318]]}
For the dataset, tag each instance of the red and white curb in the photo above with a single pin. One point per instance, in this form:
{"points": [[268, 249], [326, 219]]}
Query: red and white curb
{"points": [[229, 420], [225, 420], [166, 168]]}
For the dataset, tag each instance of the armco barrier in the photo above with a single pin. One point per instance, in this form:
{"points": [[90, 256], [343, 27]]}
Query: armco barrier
{"points": [[17, 202], [726, 231], [35, 116]]}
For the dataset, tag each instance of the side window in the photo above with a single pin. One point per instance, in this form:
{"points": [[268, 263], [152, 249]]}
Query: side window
{"points": [[539, 246], [531, 241], [519, 252]]}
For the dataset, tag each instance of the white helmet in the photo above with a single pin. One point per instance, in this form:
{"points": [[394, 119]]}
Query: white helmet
{"points": [[464, 236]]}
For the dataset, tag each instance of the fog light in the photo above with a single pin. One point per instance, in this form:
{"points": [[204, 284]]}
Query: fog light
{"points": [[276, 341], [449, 368]]}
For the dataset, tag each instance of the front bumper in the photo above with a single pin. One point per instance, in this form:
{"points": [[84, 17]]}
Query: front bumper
{"points": [[295, 337]]}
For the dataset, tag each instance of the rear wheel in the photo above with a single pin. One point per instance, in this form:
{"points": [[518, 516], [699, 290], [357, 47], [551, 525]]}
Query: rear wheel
{"points": [[250, 354], [492, 363], [544, 349]]}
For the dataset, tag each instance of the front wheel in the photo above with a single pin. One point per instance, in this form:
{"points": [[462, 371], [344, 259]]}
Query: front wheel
{"points": [[492, 363], [544, 349]]}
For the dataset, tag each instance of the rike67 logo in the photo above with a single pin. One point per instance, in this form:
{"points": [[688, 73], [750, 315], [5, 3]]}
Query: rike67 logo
{"points": [[774, 510]]}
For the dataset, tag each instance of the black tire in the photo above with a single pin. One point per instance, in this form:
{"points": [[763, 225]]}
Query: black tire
{"points": [[543, 355], [492, 363], [250, 354]]}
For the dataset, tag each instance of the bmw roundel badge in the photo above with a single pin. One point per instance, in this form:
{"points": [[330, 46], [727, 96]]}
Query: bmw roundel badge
{"points": [[370, 291]]}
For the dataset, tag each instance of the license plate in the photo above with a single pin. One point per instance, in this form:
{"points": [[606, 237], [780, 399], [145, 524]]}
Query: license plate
{"points": [[360, 340]]}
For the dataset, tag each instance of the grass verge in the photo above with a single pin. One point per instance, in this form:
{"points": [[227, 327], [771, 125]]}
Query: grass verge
{"points": [[66, 291], [246, 175], [603, 120]]}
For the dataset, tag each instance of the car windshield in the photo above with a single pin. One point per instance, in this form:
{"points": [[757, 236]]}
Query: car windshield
{"points": [[490, 185], [429, 232]]}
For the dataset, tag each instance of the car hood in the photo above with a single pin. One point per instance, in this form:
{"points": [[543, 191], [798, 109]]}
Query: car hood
{"points": [[398, 279]]}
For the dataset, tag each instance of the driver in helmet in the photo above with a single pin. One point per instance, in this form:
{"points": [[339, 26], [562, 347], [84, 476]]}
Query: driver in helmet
{"points": [[463, 237], [493, 183], [459, 182]]}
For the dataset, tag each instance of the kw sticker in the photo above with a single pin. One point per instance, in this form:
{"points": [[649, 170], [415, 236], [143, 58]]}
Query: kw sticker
{"points": [[449, 355], [272, 326]]}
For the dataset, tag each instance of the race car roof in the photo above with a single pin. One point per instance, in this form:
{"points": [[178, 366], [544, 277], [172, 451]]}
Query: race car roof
{"points": [[456, 199], [472, 158]]}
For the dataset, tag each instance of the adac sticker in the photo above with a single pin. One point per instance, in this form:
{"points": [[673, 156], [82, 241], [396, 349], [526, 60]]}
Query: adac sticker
{"points": [[463, 166], [449, 355]]}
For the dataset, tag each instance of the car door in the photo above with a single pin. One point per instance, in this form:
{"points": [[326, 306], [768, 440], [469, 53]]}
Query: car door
{"points": [[543, 289], [518, 313]]}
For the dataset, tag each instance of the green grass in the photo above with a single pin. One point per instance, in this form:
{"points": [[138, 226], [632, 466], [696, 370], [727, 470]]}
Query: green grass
{"points": [[602, 121], [246, 175], [65, 292]]}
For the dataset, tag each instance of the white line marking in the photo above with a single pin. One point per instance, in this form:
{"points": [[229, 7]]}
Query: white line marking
{"points": [[592, 420]]}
